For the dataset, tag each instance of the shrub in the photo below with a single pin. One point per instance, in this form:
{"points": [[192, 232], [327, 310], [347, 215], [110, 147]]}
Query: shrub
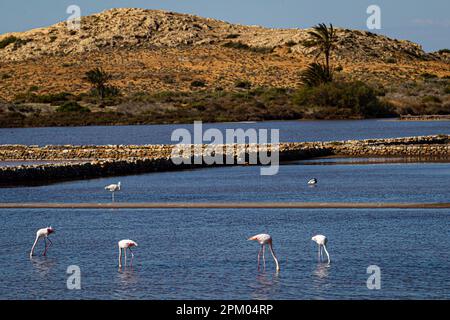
{"points": [[236, 45], [243, 84], [356, 96], [242, 46], [444, 51], [427, 75], [391, 60], [72, 106], [291, 43], [447, 90], [432, 99], [53, 98], [198, 84], [232, 36], [7, 41]]}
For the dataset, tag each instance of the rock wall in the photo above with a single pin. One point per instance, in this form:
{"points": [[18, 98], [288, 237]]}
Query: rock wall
{"points": [[103, 161]]}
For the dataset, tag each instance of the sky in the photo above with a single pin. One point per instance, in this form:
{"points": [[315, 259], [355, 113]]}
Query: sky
{"points": [[423, 22]]}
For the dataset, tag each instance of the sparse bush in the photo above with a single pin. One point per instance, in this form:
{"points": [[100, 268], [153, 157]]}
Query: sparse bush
{"points": [[291, 43], [72, 106], [232, 36], [427, 75], [198, 84], [242, 46], [243, 84], [391, 60], [447, 90], [432, 99], [357, 97], [7, 41]]}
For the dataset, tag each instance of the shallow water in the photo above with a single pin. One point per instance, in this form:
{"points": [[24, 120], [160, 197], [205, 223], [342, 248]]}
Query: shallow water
{"points": [[289, 131], [378, 182], [203, 254]]}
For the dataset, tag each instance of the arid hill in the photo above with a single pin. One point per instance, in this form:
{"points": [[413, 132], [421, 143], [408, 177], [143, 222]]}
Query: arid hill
{"points": [[152, 50]]}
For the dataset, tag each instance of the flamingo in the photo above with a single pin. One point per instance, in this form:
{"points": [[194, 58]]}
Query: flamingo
{"points": [[312, 181], [113, 188], [124, 245], [322, 241], [43, 233], [265, 239]]}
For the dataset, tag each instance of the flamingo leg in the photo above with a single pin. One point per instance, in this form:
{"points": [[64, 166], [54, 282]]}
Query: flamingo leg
{"points": [[120, 258], [318, 252], [259, 255], [50, 243], [112, 194], [328, 256], [125, 256], [34, 245], [132, 256], [264, 257], [45, 249]]}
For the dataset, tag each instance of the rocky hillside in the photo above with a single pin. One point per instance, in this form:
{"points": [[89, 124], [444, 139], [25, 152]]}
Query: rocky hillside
{"points": [[139, 28], [152, 50]]}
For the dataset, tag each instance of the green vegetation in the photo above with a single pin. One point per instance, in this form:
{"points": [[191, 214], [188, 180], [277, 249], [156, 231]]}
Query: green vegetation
{"points": [[72, 106], [243, 84], [353, 99], [327, 101], [7, 41], [444, 51], [54, 99], [322, 40], [242, 46], [198, 84], [99, 80]]}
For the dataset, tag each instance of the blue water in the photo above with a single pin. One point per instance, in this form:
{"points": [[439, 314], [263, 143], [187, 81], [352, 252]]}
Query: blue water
{"points": [[289, 131], [203, 254], [379, 182]]}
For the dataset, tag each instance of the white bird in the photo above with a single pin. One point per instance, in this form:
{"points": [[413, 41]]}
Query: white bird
{"points": [[124, 245], [113, 188], [42, 233], [322, 241], [312, 181], [265, 239]]}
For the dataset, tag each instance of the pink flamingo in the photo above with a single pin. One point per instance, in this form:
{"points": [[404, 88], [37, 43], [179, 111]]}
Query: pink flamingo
{"points": [[124, 245], [43, 233], [265, 239]]}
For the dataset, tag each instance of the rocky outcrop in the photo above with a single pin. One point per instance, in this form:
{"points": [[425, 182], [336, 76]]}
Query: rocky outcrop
{"points": [[102, 161], [134, 28]]}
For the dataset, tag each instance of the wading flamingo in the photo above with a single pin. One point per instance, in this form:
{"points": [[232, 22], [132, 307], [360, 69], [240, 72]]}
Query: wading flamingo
{"points": [[265, 239], [322, 241], [43, 233], [312, 181], [124, 245], [113, 188]]}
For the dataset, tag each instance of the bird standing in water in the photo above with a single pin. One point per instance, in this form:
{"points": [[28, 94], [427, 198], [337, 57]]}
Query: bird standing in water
{"points": [[265, 239], [43, 233], [312, 181], [322, 241], [124, 245], [113, 188]]}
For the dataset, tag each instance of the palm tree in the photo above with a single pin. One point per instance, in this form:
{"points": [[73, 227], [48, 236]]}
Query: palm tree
{"points": [[323, 40], [99, 79], [316, 74]]}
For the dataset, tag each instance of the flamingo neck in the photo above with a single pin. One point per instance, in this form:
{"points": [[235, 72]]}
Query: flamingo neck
{"points": [[274, 257]]}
